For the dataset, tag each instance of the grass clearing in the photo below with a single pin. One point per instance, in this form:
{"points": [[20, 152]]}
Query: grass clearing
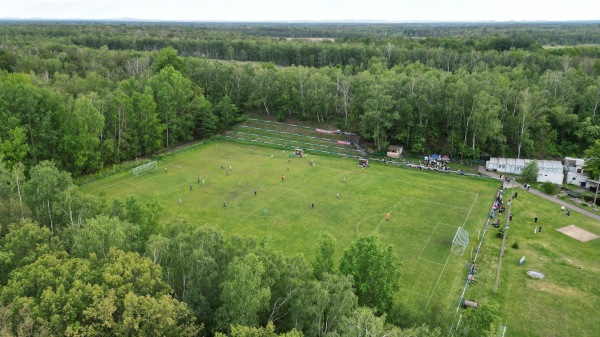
{"points": [[425, 208]]}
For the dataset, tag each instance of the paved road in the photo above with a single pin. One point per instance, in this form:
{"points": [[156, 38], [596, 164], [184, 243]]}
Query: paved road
{"points": [[552, 198]]}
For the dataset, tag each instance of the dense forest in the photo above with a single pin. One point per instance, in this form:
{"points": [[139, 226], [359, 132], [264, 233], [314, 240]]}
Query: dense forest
{"points": [[76, 99]]}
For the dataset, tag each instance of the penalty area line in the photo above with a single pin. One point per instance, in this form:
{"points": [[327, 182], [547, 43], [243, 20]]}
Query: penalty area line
{"points": [[448, 259], [441, 264], [413, 292], [425, 245]]}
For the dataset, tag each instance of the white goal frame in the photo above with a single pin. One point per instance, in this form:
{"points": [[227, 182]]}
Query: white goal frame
{"points": [[460, 241], [146, 167]]}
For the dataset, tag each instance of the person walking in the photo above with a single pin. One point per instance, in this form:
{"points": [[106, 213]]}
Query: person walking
{"points": [[313, 205], [535, 219]]}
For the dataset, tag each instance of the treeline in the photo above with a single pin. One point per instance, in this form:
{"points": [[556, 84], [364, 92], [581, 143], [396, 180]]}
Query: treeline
{"points": [[499, 49], [91, 108], [80, 265], [541, 33], [86, 123]]}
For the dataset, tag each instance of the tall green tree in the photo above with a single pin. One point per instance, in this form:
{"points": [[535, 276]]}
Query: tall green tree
{"points": [[120, 295], [15, 147], [375, 271], [323, 262], [167, 57], [100, 234], [227, 112], [194, 260], [268, 331], [531, 171], [592, 164], [43, 194], [22, 245], [81, 138], [173, 94], [244, 294], [11, 191], [318, 308]]}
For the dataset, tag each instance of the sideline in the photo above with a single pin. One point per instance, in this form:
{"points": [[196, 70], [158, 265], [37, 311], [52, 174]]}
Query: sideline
{"points": [[554, 199]]}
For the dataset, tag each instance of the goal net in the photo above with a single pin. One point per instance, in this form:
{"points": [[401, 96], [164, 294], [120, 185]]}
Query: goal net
{"points": [[460, 241], [146, 167]]}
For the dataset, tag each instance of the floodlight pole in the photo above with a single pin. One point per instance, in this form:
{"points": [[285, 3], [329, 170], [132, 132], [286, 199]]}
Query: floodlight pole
{"points": [[504, 234]]}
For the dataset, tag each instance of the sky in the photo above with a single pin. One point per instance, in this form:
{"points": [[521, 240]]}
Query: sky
{"points": [[305, 10]]}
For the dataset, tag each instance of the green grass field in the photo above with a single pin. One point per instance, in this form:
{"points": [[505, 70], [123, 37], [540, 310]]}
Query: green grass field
{"points": [[425, 208], [567, 301]]}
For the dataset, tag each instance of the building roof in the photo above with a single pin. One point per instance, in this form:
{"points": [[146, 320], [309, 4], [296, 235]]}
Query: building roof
{"points": [[544, 165], [570, 161]]}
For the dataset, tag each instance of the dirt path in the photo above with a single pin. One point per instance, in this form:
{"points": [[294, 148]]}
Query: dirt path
{"points": [[552, 198]]}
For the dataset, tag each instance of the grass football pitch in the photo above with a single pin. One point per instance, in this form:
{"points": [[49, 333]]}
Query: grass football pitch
{"points": [[426, 209]]}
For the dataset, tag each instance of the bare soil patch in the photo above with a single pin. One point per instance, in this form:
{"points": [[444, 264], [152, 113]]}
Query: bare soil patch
{"points": [[578, 233]]}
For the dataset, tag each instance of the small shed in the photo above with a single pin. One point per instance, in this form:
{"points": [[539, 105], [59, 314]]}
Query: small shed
{"points": [[394, 151], [363, 162], [299, 152]]}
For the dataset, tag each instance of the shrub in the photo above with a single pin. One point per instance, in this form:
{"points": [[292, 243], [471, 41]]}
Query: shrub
{"points": [[548, 188], [515, 245], [280, 116], [531, 171], [500, 233]]}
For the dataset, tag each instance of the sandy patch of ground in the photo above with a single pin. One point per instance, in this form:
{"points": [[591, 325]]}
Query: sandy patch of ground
{"points": [[578, 233]]}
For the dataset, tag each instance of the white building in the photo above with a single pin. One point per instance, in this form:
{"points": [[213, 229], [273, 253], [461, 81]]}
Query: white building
{"points": [[574, 169], [550, 170]]}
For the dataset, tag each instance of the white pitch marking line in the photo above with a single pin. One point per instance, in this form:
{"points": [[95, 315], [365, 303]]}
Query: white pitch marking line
{"points": [[448, 259], [425, 245], [441, 264]]}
